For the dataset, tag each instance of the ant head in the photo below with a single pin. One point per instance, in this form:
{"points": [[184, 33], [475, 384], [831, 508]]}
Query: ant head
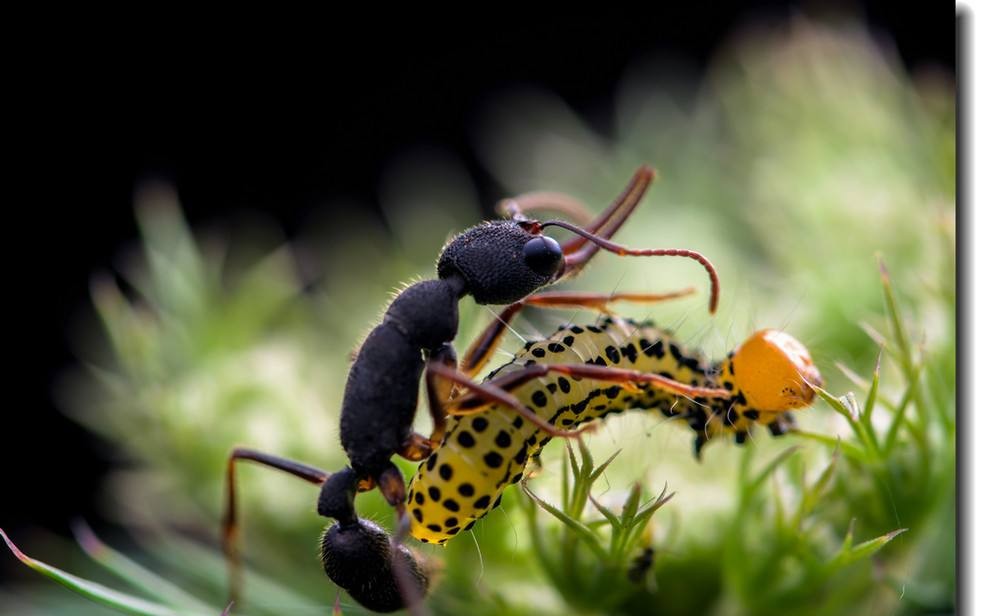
{"points": [[503, 261], [775, 372]]}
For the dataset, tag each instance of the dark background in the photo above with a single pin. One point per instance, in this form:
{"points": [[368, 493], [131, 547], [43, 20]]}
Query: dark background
{"points": [[278, 121]]}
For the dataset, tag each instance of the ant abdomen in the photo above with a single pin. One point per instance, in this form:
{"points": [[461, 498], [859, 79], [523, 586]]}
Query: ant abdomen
{"points": [[359, 558]]}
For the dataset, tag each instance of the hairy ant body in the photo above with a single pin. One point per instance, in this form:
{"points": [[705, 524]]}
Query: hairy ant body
{"points": [[499, 262]]}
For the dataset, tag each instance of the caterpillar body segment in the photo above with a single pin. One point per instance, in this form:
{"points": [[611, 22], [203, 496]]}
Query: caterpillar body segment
{"points": [[482, 453]]}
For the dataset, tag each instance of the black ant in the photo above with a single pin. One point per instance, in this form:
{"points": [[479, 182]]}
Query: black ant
{"points": [[499, 262]]}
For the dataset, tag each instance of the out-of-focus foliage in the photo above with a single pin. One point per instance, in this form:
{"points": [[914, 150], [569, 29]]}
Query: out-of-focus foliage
{"points": [[804, 151]]}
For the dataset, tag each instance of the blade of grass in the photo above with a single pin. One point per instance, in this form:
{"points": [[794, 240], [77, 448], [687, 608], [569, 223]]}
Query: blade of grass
{"points": [[899, 332], [850, 449], [98, 593], [863, 550], [750, 488], [898, 415], [130, 571], [863, 384], [812, 495], [633, 528], [850, 415], [587, 461], [576, 526], [565, 482], [647, 512], [632, 504], [575, 468], [874, 333], [617, 532], [846, 544], [607, 513], [902, 340], [208, 567], [601, 469], [543, 554], [780, 525], [870, 399]]}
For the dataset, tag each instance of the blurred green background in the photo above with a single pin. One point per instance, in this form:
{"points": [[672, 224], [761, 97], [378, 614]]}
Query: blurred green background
{"points": [[801, 153]]}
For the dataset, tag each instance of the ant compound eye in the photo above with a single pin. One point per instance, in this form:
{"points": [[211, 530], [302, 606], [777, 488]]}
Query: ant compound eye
{"points": [[543, 255]]}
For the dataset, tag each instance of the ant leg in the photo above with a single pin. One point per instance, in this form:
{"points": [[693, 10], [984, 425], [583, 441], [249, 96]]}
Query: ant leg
{"points": [[392, 486], [480, 351], [418, 447], [598, 301], [440, 391], [230, 523], [517, 207], [491, 394], [470, 403]]}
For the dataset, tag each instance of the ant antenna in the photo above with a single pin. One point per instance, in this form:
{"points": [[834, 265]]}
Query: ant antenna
{"points": [[575, 261]]}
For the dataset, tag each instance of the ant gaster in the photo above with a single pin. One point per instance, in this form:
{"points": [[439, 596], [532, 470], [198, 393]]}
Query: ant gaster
{"points": [[499, 262]]}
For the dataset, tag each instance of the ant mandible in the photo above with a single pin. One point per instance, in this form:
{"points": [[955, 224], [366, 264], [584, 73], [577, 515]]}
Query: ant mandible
{"points": [[498, 262]]}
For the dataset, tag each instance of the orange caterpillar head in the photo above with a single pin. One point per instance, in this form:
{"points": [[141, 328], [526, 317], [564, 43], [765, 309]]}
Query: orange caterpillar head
{"points": [[775, 372]]}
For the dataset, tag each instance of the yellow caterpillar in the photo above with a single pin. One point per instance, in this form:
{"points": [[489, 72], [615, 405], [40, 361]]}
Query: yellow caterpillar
{"points": [[481, 454]]}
